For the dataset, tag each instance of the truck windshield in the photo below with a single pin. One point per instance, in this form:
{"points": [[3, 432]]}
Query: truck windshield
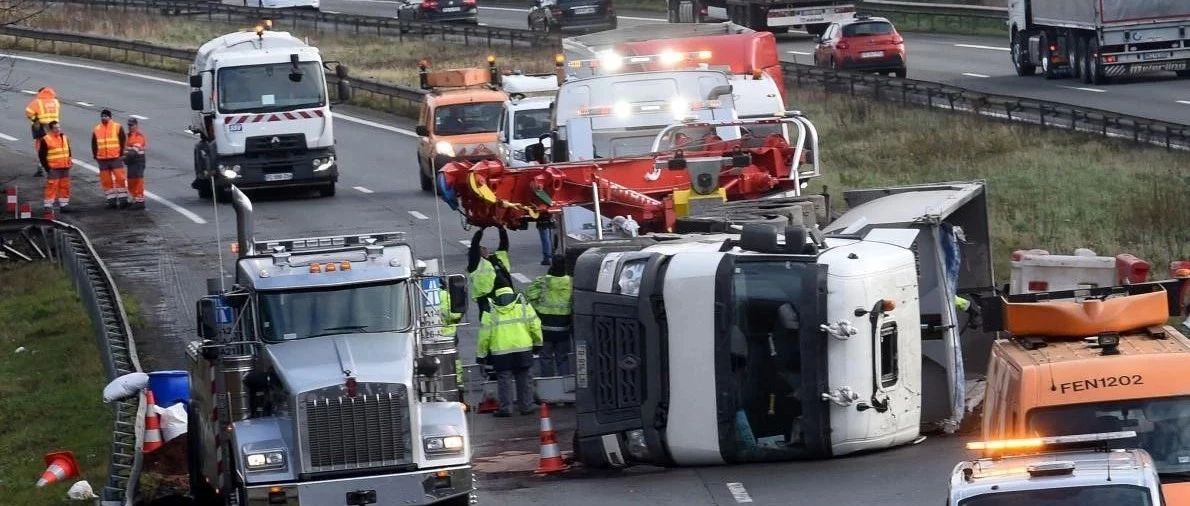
{"points": [[264, 88], [286, 316], [1100, 495], [462, 119], [1162, 426], [531, 124]]}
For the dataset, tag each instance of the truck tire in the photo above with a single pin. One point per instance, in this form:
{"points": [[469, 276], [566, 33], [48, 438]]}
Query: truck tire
{"points": [[1020, 48], [1047, 67], [1095, 74], [462, 500], [1183, 73], [204, 191], [757, 18], [816, 29], [1074, 53]]}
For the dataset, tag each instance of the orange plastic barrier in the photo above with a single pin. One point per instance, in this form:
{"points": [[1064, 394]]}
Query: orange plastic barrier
{"points": [[1087, 318]]}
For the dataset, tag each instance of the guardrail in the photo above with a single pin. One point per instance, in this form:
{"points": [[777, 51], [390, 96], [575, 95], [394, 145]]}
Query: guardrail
{"points": [[1038, 112], [36, 240], [338, 22], [912, 16]]}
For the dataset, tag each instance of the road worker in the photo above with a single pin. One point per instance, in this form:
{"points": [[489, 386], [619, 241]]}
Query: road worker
{"points": [[545, 230], [450, 322], [551, 295], [107, 147], [54, 154], [43, 109], [971, 308], [134, 159], [509, 335], [486, 270]]}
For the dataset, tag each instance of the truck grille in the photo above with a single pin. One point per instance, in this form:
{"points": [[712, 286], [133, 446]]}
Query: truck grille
{"points": [[265, 144], [617, 363], [344, 433]]}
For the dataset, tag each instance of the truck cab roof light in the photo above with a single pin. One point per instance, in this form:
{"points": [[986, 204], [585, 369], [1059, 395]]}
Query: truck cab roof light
{"points": [[1057, 468], [624, 108], [345, 265], [614, 62], [331, 267], [315, 268], [346, 241]]}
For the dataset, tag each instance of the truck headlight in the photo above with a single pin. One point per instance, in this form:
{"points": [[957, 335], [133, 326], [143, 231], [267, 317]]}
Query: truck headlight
{"points": [[443, 444], [265, 460], [229, 171], [444, 148], [321, 164], [630, 276]]}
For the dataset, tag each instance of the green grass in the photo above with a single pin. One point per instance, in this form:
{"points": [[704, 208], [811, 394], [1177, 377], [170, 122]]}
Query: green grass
{"points": [[51, 394], [1048, 189]]}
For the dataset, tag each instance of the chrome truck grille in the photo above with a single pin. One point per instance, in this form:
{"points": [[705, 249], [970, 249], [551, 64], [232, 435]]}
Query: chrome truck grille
{"points": [[346, 433]]}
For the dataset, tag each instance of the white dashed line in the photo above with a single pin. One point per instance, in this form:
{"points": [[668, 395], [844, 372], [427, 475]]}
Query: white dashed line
{"points": [[972, 74], [85, 104], [465, 243], [739, 492], [977, 46], [1184, 102], [374, 124], [181, 210], [1092, 90], [801, 53], [361, 189], [137, 116], [418, 215], [29, 92], [521, 278], [7, 137]]}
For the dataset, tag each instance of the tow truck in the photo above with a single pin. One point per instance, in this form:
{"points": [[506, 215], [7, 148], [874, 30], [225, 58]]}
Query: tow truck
{"points": [[1074, 470], [459, 117], [1094, 360], [322, 376]]}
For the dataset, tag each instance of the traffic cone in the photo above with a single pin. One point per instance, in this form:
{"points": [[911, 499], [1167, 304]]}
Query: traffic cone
{"points": [[152, 440], [551, 457], [60, 466]]}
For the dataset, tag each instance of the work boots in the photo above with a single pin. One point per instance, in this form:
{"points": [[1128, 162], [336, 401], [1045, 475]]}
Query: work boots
{"points": [[136, 206]]}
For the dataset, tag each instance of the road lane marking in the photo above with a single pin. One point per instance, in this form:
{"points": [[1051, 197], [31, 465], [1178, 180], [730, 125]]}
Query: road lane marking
{"points": [[7, 137], [972, 74], [739, 492], [161, 200], [137, 116], [802, 53], [85, 104], [1092, 90], [1184, 102], [521, 278], [465, 243], [352, 119], [977, 46], [361, 189], [29, 92], [418, 215]]}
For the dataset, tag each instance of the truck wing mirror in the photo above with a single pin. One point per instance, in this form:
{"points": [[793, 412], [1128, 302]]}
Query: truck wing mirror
{"points": [[421, 131], [456, 285], [719, 91], [341, 71], [196, 101], [535, 152], [345, 90], [196, 81], [206, 324]]}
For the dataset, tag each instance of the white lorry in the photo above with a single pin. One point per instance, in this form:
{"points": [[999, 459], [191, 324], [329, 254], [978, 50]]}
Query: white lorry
{"points": [[262, 114], [526, 115]]}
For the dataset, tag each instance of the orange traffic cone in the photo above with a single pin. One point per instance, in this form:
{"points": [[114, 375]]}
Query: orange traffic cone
{"points": [[488, 404], [59, 466], [152, 440], [551, 457]]}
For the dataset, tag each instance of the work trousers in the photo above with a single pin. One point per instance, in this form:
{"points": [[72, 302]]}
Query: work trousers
{"points": [[113, 179], [524, 389], [57, 188], [136, 179], [38, 131], [554, 358]]}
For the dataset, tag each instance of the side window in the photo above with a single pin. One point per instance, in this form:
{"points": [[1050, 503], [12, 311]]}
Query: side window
{"points": [[424, 117], [889, 365]]}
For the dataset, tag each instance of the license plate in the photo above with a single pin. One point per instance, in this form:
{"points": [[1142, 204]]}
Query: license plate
{"points": [[1157, 56], [452, 9], [283, 176], [584, 10], [871, 54]]}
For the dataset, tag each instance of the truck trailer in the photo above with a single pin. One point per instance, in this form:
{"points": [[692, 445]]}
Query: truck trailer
{"points": [[1095, 40], [776, 16]]}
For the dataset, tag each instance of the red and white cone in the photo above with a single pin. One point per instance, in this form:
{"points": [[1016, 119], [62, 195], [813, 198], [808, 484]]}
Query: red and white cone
{"points": [[26, 211], [551, 457], [59, 466], [152, 440]]}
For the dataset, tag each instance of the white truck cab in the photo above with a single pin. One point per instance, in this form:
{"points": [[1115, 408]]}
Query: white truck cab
{"points": [[1039, 471], [526, 115]]}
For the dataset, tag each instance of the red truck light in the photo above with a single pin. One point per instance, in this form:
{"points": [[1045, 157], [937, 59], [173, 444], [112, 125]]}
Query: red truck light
{"points": [[1038, 286], [429, 5]]}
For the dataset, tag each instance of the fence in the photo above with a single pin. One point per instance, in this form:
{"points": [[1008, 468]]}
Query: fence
{"points": [[939, 17], [35, 240]]}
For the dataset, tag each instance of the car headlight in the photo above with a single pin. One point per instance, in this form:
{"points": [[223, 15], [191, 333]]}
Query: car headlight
{"points": [[443, 444], [321, 164], [444, 148], [265, 460], [630, 276]]}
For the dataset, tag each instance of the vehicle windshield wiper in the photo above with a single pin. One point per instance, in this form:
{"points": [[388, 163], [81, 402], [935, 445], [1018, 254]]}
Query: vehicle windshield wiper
{"points": [[346, 327]]}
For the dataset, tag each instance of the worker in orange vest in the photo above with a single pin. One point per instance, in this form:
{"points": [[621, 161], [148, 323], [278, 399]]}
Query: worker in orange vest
{"points": [[134, 159], [43, 109], [54, 153], [107, 147]]}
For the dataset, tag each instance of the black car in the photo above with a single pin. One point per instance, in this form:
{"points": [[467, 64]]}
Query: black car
{"points": [[466, 11], [579, 15]]}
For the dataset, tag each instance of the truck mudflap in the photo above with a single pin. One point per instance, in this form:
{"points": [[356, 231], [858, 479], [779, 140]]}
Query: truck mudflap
{"points": [[427, 486]]}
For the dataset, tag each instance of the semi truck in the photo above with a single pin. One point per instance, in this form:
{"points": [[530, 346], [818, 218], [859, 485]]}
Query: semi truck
{"points": [[776, 16], [1095, 40], [749, 335], [321, 376], [262, 114]]}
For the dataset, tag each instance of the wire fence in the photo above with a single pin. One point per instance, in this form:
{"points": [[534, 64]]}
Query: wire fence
{"points": [[25, 241]]}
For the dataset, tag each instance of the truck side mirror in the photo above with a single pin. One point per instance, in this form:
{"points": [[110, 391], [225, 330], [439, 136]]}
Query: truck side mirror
{"points": [[196, 101], [427, 366], [341, 71], [196, 81], [535, 152], [456, 285], [345, 90], [206, 323], [421, 131]]}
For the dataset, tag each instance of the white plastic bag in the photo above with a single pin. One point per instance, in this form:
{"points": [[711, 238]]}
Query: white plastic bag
{"points": [[173, 421], [81, 491], [125, 386]]}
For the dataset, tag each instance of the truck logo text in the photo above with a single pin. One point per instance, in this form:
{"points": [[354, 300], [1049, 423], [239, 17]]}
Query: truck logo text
{"points": [[1105, 382]]}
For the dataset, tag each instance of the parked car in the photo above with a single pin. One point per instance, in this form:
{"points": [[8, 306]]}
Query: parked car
{"points": [[465, 11], [863, 43], [577, 15]]}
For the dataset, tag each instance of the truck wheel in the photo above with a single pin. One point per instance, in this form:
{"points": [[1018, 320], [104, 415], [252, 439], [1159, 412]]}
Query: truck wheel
{"points": [[427, 182], [1183, 73], [816, 29], [327, 191], [1074, 55], [1095, 74], [204, 191], [462, 500], [1047, 67], [1020, 48]]}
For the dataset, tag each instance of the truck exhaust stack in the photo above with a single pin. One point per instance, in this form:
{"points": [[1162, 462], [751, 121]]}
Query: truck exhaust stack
{"points": [[245, 236]]}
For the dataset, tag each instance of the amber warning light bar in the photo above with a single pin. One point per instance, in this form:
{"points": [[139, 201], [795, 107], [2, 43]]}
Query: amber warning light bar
{"points": [[1041, 443]]}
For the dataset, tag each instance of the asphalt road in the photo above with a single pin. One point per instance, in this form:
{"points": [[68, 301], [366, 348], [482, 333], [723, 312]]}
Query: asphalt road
{"points": [[166, 253]]}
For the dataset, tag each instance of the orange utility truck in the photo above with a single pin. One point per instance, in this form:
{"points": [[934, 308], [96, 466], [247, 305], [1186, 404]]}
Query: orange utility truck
{"points": [[459, 119]]}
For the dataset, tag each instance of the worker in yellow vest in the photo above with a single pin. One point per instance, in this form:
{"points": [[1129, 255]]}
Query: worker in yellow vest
{"points": [[509, 335], [107, 147], [450, 324], [41, 111], [551, 297], [486, 270]]}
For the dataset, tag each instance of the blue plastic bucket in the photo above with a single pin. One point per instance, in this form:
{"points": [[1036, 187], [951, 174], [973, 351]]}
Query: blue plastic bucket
{"points": [[170, 387]]}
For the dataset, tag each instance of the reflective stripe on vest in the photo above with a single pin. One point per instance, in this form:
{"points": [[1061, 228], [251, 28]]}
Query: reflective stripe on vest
{"points": [[137, 142], [107, 140], [46, 110], [58, 151]]}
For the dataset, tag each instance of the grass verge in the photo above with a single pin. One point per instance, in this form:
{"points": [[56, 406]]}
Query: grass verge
{"points": [[50, 393], [1048, 189]]}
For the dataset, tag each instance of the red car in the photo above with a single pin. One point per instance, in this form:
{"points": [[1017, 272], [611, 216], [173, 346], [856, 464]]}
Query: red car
{"points": [[865, 44]]}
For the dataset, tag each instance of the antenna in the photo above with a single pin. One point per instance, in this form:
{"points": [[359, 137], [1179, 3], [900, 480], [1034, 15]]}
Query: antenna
{"points": [[218, 236]]}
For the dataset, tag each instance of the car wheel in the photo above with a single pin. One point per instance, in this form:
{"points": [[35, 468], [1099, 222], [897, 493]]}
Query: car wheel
{"points": [[328, 190], [901, 73], [427, 182], [1019, 49], [834, 65], [529, 21]]}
